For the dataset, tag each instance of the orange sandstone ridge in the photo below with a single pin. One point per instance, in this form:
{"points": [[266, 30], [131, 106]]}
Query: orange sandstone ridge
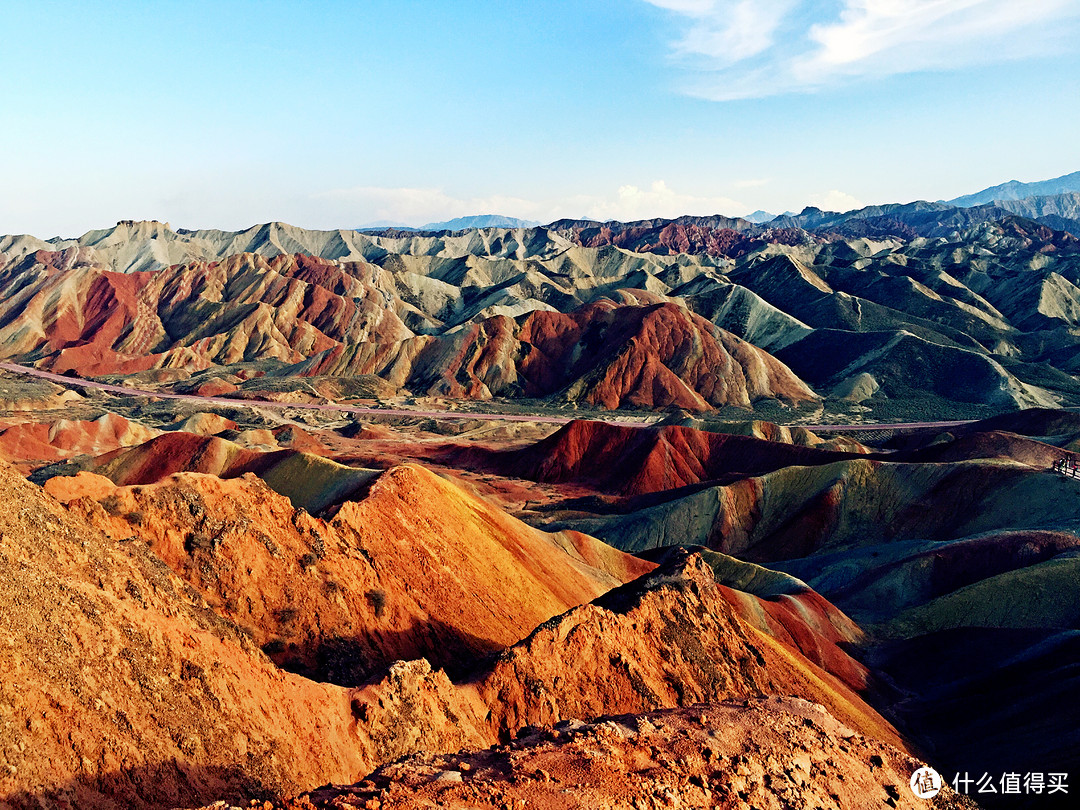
{"points": [[418, 568]]}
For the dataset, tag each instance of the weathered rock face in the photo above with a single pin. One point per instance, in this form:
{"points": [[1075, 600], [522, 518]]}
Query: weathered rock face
{"points": [[123, 689], [765, 753], [672, 638]]}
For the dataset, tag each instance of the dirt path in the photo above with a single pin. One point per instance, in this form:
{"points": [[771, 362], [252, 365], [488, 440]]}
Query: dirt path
{"points": [[121, 390]]}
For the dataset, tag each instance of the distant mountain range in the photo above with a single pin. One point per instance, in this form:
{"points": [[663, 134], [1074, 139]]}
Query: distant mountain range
{"points": [[1013, 190], [480, 221], [456, 224], [1054, 203], [912, 308], [759, 217]]}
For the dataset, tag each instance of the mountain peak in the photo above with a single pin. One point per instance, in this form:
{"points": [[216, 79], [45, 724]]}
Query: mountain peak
{"points": [[759, 217], [479, 221], [144, 225], [1015, 190]]}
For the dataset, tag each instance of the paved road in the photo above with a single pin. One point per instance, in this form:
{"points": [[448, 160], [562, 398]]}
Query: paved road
{"points": [[887, 426], [510, 417]]}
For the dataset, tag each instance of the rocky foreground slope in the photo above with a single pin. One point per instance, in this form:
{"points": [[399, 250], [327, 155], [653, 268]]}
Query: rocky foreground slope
{"points": [[416, 569], [139, 686], [762, 753]]}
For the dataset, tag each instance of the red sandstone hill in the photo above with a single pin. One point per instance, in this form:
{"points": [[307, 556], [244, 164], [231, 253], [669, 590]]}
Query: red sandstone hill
{"points": [[346, 319], [606, 354], [715, 236], [309, 481], [245, 307], [29, 444]]}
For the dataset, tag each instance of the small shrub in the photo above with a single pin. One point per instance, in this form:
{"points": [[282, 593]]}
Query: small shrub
{"points": [[285, 615], [111, 504], [377, 599], [197, 541]]}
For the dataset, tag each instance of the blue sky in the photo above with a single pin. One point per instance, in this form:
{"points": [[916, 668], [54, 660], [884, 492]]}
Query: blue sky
{"points": [[338, 114]]}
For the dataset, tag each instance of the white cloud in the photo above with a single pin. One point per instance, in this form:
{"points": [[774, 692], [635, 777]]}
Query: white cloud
{"points": [[633, 203], [696, 8], [835, 200], [743, 49], [732, 30]]}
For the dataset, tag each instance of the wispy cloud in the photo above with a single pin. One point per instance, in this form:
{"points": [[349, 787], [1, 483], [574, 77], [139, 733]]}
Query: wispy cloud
{"points": [[835, 200], [417, 206], [658, 200], [752, 48], [728, 31]]}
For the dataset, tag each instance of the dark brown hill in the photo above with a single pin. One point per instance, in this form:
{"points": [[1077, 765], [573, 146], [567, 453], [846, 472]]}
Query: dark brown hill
{"points": [[625, 460]]}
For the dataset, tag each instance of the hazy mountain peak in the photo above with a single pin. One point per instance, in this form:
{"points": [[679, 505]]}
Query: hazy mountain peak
{"points": [[479, 221], [1015, 190], [759, 217]]}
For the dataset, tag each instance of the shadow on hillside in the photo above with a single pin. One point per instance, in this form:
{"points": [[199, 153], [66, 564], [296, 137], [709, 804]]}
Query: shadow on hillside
{"points": [[351, 661], [166, 784]]}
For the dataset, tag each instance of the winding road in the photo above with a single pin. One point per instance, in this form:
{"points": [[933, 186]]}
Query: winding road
{"points": [[122, 390]]}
